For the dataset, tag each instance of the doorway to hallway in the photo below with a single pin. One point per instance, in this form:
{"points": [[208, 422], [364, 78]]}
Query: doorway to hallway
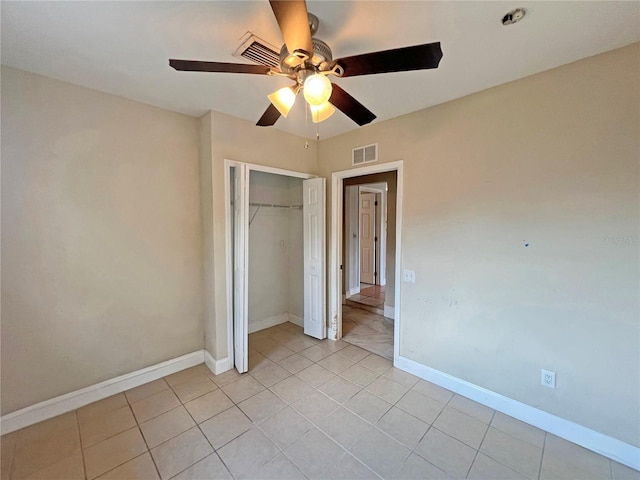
{"points": [[368, 329]]}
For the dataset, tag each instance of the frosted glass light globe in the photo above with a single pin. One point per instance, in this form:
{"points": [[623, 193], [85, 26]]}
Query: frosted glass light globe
{"points": [[283, 100], [321, 113], [317, 89]]}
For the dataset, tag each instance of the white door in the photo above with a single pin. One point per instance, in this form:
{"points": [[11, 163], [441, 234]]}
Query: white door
{"points": [[313, 213], [240, 264], [367, 235], [351, 262]]}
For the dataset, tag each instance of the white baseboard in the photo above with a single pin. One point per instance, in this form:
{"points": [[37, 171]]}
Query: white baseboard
{"points": [[217, 366], [73, 400], [598, 442], [296, 320], [268, 322], [389, 312]]}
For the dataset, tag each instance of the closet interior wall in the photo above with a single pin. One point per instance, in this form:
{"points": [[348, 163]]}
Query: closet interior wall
{"points": [[275, 250]]}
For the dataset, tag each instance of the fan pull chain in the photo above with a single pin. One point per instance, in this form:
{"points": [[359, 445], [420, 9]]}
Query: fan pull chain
{"points": [[306, 123]]}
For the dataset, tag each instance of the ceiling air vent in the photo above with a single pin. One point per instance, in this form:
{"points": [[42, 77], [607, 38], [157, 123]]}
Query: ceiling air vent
{"points": [[365, 154], [258, 51]]}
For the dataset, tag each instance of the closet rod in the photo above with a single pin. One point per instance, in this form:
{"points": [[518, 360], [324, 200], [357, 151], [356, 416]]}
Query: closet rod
{"points": [[273, 205]]}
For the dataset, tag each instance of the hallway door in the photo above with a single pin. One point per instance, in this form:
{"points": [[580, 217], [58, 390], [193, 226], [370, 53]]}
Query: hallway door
{"points": [[367, 237]]}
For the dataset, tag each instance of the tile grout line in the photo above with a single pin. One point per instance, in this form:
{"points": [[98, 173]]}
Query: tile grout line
{"points": [[315, 425], [142, 434], [215, 451], [182, 404], [253, 425], [475, 456], [611, 476], [84, 463], [523, 441], [372, 425], [430, 425], [13, 455], [153, 460], [126, 461], [544, 447]]}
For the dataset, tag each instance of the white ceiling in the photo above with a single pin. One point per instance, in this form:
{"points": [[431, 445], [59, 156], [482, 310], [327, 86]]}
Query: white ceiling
{"points": [[122, 47]]}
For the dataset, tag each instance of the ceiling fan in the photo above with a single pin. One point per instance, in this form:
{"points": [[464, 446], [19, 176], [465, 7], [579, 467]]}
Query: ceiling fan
{"points": [[309, 61]]}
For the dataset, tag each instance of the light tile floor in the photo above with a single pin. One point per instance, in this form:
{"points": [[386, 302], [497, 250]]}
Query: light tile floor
{"points": [[370, 298], [368, 330], [307, 409]]}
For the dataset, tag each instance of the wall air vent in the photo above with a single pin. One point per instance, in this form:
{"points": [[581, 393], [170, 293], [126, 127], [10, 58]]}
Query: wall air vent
{"points": [[365, 154], [258, 51]]}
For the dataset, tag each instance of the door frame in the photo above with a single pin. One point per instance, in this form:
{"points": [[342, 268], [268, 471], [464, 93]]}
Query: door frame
{"points": [[228, 164], [335, 248]]}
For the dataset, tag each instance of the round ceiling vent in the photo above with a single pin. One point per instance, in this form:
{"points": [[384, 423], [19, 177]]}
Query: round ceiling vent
{"points": [[513, 16]]}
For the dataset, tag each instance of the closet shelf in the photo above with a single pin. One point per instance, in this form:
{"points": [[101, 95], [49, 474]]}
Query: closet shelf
{"points": [[268, 205], [273, 205]]}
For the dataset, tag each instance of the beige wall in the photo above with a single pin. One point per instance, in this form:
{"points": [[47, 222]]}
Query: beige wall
{"points": [[101, 237], [206, 209], [551, 161], [240, 140]]}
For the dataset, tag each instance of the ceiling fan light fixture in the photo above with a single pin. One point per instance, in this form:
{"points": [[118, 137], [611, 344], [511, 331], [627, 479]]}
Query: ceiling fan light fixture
{"points": [[317, 89], [320, 113], [283, 99]]}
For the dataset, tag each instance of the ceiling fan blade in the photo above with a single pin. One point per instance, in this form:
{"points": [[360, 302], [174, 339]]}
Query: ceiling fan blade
{"points": [[198, 66], [350, 106], [269, 117], [294, 24], [417, 57]]}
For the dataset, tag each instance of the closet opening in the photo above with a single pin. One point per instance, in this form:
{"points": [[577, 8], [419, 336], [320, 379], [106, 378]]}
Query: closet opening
{"points": [[275, 263]]}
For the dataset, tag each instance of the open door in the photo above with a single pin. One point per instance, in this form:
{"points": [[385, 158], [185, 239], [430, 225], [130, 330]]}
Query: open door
{"points": [[367, 238], [313, 213], [240, 209]]}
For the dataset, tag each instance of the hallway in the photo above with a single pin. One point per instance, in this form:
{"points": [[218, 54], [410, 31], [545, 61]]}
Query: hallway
{"points": [[370, 298]]}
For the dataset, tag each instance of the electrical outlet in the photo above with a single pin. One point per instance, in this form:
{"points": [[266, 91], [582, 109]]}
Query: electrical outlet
{"points": [[409, 276], [548, 379]]}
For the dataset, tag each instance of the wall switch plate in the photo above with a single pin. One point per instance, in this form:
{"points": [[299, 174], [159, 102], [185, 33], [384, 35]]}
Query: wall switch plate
{"points": [[409, 276], [548, 379]]}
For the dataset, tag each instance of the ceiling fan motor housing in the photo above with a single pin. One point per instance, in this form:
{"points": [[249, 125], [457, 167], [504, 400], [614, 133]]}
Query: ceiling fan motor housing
{"points": [[321, 60]]}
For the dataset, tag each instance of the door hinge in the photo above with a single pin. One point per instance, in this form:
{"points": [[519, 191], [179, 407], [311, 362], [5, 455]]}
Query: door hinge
{"points": [[340, 267], [375, 203], [375, 239]]}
